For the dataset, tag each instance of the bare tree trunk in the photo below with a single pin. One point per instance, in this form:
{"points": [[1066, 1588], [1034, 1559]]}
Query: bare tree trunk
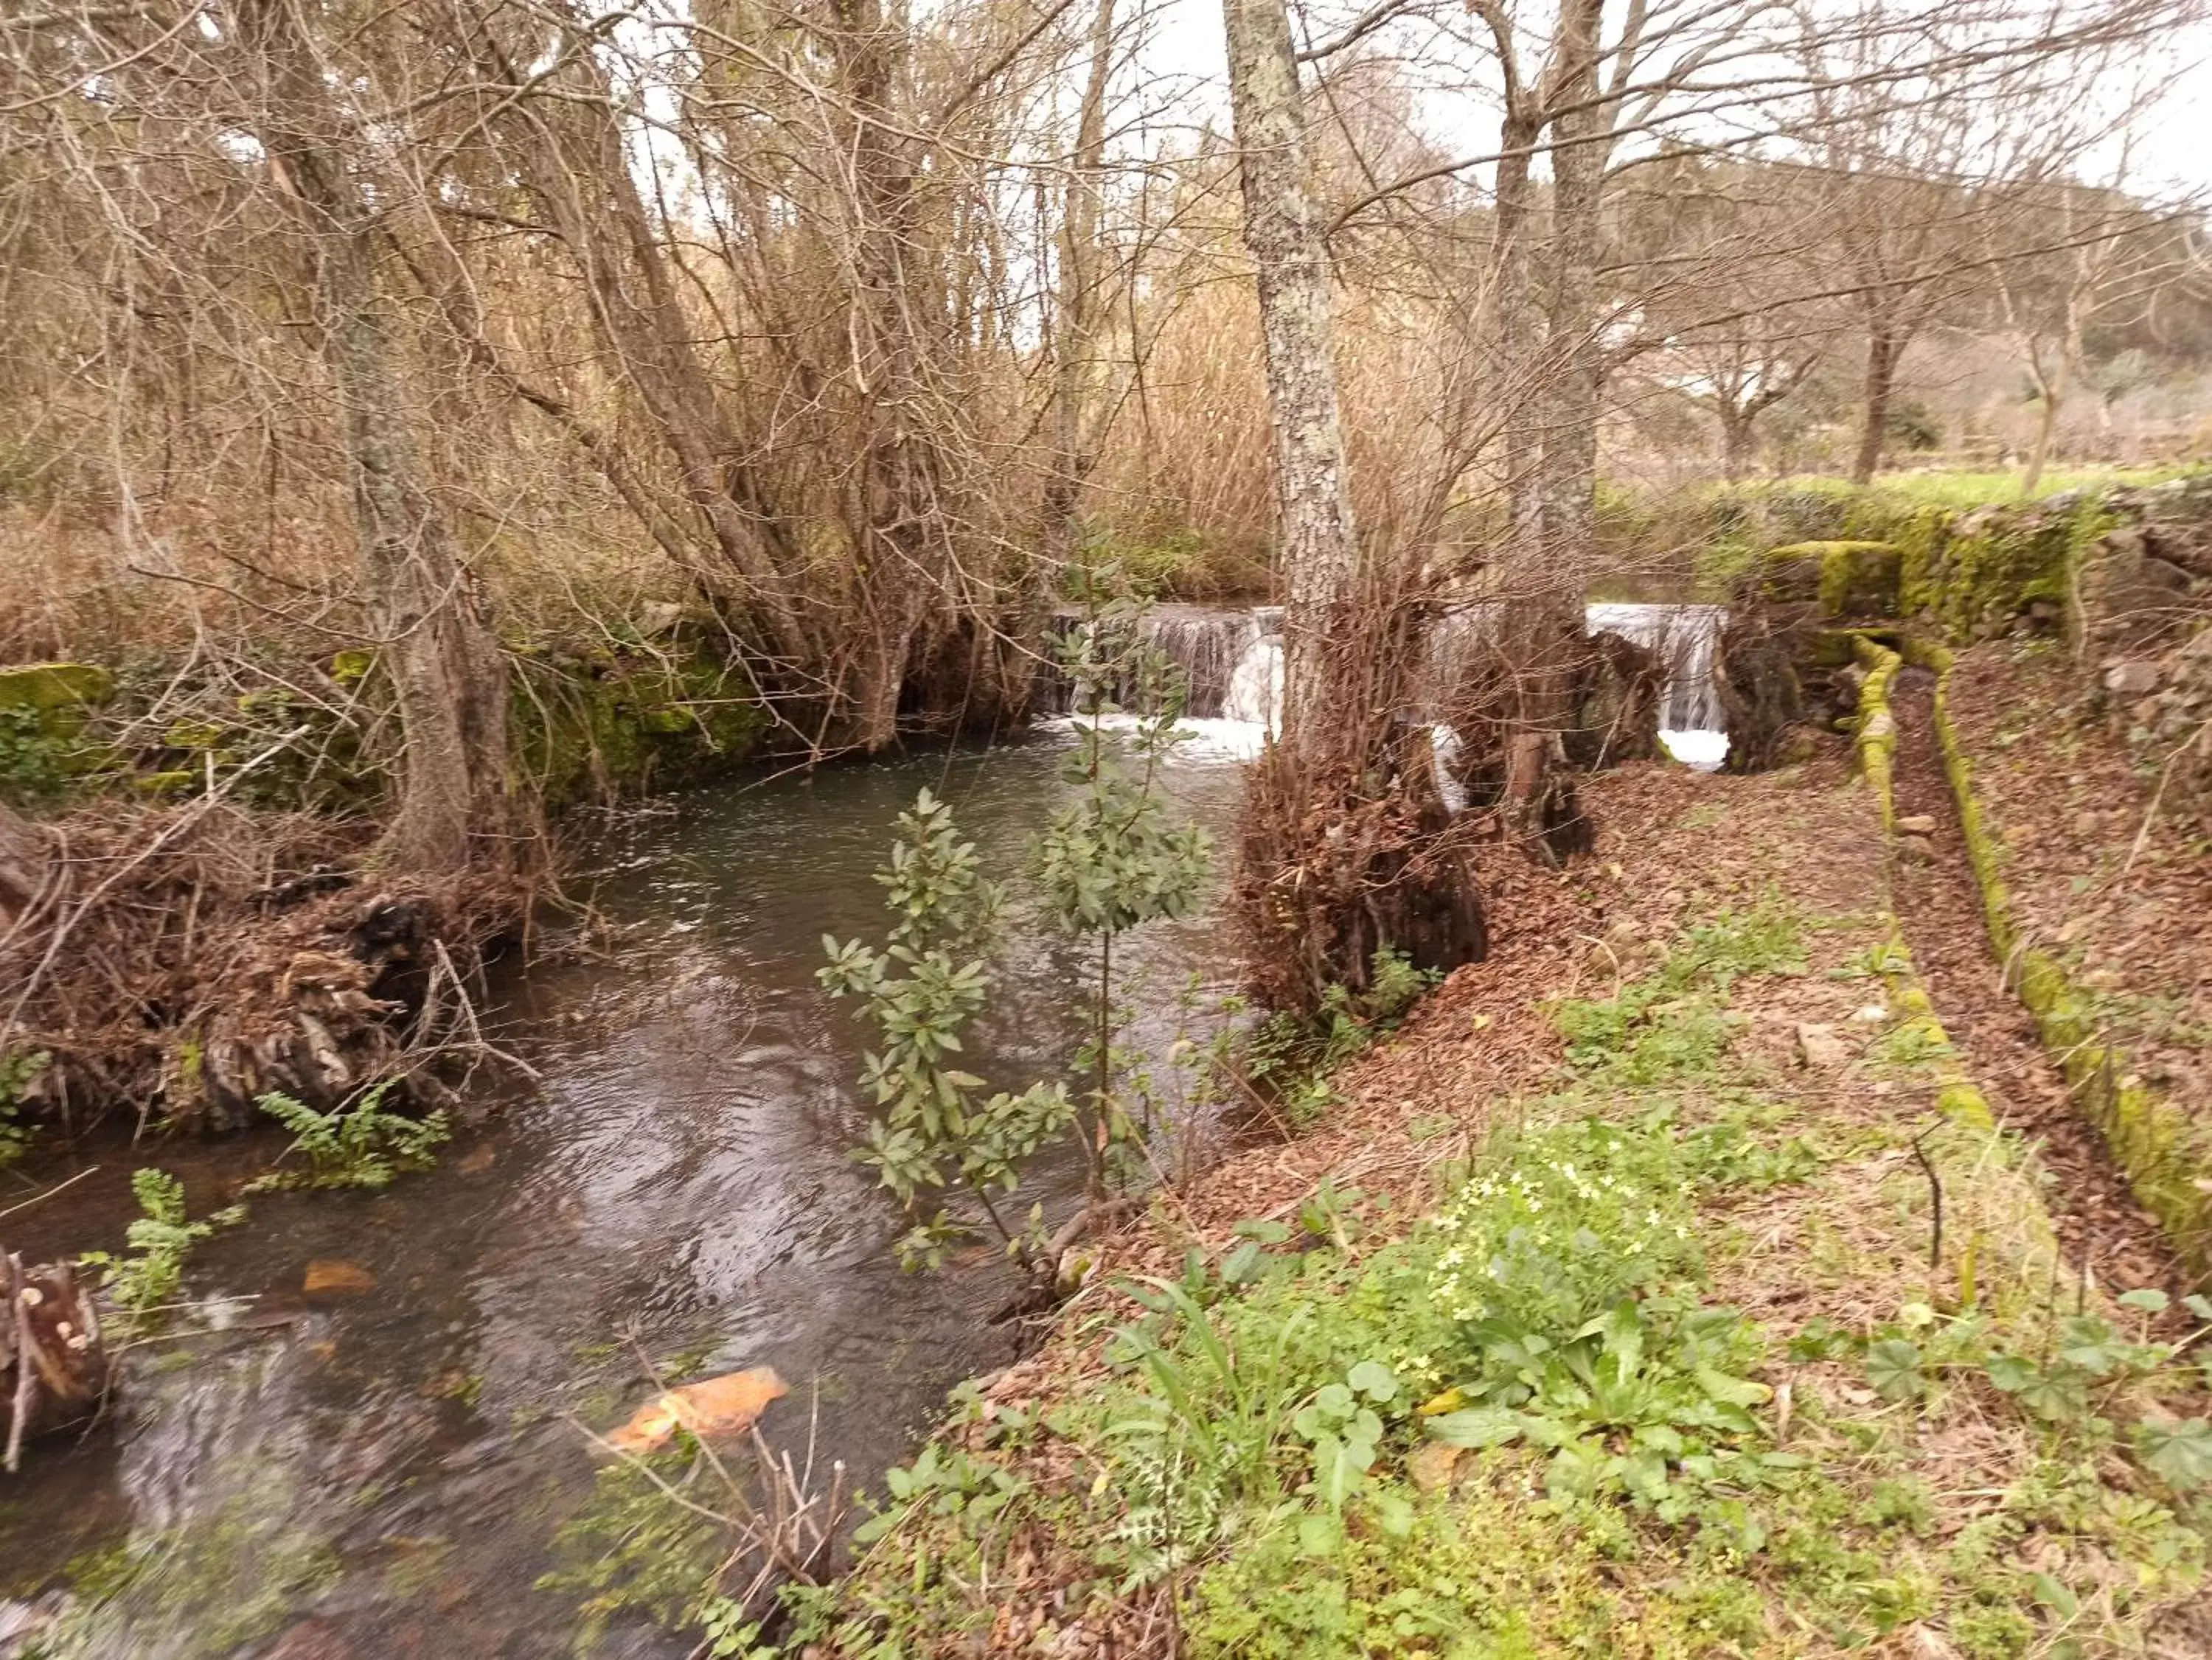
{"points": [[1282, 230], [434, 642], [2051, 392], [1735, 441], [898, 516], [580, 172], [1545, 620], [1883, 350], [1576, 354], [1075, 322], [1516, 337], [1347, 846]]}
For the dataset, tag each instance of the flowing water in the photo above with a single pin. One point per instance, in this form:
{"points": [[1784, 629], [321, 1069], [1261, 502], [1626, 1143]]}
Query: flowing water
{"points": [[382, 1473]]}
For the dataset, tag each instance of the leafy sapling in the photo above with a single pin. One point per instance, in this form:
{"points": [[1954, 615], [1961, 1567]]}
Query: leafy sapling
{"points": [[148, 1278], [937, 1129], [1117, 857]]}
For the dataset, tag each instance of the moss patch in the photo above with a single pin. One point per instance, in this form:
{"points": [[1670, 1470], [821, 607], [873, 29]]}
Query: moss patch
{"points": [[606, 725], [1957, 1094], [1974, 575], [1847, 579]]}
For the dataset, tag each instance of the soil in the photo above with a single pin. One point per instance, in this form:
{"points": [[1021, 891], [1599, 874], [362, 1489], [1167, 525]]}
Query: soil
{"points": [[2100, 1227], [2118, 890], [1676, 850]]}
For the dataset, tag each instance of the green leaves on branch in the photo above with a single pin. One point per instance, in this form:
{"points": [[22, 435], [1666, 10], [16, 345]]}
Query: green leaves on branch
{"points": [[1112, 859], [936, 1126]]}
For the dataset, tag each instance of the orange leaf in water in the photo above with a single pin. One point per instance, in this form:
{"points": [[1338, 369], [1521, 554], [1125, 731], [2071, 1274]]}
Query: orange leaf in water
{"points": [[714, 1406], [327, 1278]]}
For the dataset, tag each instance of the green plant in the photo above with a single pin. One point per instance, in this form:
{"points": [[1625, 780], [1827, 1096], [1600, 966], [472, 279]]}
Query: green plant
{"points": [[360, 1145], [148, 1280], [649, 1540], [1289, 1058], [1672, 1024], [1563, 1222], [936, 1126], [38, 761], [18, 1072], [1115, 858]]}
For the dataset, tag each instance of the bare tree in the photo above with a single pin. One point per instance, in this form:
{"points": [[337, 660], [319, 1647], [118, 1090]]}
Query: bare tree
{"points": [[432, 632]]}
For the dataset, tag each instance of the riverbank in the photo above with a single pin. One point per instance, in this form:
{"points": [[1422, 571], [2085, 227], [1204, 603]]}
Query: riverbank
{"points": [[1294, 1414]]}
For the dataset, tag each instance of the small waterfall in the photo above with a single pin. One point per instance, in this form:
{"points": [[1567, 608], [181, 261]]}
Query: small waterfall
{"points": [[1683, 640], [1234, 661], [1255, 685], [1210, 645]]}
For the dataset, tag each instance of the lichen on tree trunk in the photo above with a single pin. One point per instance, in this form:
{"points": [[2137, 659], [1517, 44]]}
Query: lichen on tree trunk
{"points": [[1347, 847]]}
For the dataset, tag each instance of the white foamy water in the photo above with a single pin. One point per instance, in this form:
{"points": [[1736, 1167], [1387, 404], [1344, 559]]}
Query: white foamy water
{"points": [[1700, 749], [1234, 660], [1217, 739]]}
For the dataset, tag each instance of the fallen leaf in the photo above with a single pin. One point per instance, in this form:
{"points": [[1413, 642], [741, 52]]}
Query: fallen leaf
{"points": [[479, 1160], [329, 1278], [714, 1406]]}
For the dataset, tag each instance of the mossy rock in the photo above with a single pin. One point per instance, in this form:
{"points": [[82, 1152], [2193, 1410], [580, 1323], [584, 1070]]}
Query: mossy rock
{"points": [[55, 688], [1846, 580], [44, 753], [612, 726], [1981, 574]]}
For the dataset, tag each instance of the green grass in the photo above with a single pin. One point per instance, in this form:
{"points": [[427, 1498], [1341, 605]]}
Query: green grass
{"points": [[1532, 1425]]}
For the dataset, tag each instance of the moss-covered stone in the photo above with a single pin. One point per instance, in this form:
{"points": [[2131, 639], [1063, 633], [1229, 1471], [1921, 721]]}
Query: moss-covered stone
{"points": [[1979, 574], [43, 752], [592, 727], [1958, 1095], [1845, 579], [55, 688]]}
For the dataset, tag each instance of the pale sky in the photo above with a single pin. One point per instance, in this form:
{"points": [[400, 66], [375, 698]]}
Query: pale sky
{"points": [[2172, 154]]}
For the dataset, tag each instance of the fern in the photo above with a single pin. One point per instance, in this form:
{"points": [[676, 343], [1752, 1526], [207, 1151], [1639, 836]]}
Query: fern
{"points": [[358, 1146], [149, 1278]]}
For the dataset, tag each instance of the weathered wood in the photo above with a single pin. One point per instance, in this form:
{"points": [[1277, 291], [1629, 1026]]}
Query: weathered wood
{"points": [[53, 1368]]}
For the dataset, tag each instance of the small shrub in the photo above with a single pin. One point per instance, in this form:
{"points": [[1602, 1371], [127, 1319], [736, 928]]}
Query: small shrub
{"points": [[18, 1072], [1289, 1058]]}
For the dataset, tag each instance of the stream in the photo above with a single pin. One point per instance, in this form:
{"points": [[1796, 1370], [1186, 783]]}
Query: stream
{"points": [[383, 1473], [379, 1467]]}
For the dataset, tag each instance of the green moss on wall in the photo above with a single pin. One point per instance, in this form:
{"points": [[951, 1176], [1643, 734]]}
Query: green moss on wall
{"points": [[1846, 580], [588, 728], [583, 727], [1975, 575], [62, 689]]}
